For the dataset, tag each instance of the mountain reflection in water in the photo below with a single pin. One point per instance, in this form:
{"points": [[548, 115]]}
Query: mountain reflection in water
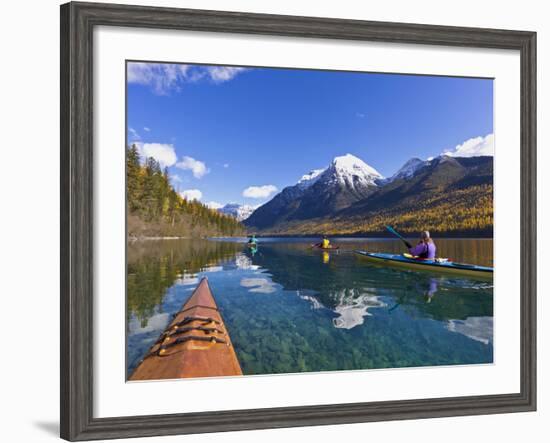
{"points": [[290, 309]]}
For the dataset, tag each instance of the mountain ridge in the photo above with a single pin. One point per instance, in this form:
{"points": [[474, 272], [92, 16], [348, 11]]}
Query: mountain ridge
{"points": [[423, 194]]}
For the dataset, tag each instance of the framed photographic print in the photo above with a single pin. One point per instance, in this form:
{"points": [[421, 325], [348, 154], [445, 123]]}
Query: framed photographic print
{"points": [[256, 206]]}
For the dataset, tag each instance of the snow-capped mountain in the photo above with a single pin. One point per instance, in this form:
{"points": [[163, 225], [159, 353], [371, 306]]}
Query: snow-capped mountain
{"points": [[352, 171], [409, 169], [416, 166], [350, 191], [421, 182], [345, 180], [240, 212], [346, 169], [310, 178]]}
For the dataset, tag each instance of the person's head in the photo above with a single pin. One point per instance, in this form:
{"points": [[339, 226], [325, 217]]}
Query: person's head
{"points": [[425, 236], [325, 237]]}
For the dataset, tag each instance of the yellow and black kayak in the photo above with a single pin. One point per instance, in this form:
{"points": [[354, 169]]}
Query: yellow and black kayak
{"points": [[438, 265], [195, 344], [328, 248]]}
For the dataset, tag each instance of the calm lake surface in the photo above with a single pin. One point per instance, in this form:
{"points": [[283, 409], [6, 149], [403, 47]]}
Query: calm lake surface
{"points": [[289, 308]]}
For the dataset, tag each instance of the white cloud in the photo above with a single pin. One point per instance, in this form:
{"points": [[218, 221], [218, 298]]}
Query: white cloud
{"points": [[214, 205], [176, 179], [474, 147], [146, 129], [220, 74], [191, 194], [161, 77], [133, 134], [259, 191], [226, 165], [164, 78], [360, 115], [198, 168], [165, 154]]}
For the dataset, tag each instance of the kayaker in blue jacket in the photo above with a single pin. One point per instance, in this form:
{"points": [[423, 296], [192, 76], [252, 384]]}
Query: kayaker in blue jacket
{"points": [[425, 248]]}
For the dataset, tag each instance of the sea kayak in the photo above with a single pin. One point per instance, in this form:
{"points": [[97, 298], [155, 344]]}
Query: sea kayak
{"points": [[195, 343], [446, 266], [330, 248]]}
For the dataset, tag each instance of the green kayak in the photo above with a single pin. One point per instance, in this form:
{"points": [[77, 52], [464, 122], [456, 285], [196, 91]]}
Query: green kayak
{"points": [[438, 265]]}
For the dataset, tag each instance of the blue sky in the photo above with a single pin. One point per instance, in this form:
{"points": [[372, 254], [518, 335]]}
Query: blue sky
{"points": [[223, 130]]}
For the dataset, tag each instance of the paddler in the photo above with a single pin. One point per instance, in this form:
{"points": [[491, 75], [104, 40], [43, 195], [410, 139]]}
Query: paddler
{"points": [[325, 244], [252, 242], [425, 249]]}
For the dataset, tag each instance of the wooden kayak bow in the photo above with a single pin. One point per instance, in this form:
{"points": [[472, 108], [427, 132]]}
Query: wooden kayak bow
{"points": [[195, 344]]}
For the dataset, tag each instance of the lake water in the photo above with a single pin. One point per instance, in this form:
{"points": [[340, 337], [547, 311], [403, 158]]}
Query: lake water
{"points": [[289, 308]]}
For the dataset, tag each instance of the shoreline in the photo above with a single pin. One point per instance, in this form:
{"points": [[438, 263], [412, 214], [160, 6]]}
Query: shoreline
{"points": [[384, 234], [312, 236], [144, 238]]}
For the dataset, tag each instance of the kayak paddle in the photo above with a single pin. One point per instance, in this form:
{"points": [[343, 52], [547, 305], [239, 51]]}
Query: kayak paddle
{"points": [[394, 232]]}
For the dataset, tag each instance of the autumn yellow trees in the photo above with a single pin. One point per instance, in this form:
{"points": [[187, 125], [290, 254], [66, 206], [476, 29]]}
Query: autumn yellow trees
{"points": [[461, 211]]}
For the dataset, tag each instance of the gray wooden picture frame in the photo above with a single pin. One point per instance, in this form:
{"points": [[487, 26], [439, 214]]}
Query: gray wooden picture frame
{"points": [[77, 24]]}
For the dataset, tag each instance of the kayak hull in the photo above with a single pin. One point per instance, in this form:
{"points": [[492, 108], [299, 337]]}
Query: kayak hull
{"points": [[195, 344], [449, 267]]}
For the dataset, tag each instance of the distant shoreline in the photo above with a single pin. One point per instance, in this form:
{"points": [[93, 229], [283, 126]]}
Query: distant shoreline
{"points": [[144, 238], [463, 234], [310, 236]]}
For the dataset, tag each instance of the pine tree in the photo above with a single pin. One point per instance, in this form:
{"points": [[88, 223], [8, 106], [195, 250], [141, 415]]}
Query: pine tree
{"points": [[133, 182], [152, 199]]}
